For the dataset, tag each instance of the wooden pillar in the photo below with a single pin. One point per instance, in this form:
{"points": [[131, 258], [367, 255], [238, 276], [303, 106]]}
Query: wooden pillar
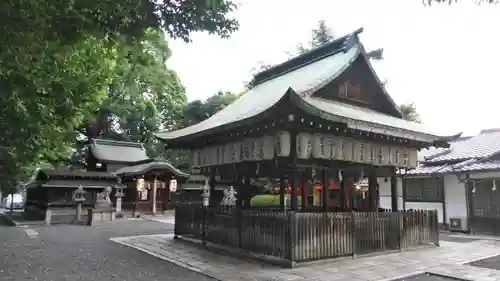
{"points": [[282, 192], [294, 181], [304, 180], [394, 191], [153, 195], [353, 192], [403, 190], [343, 191], [324, 191], [211, 183], [372, 191], [245, 185]]}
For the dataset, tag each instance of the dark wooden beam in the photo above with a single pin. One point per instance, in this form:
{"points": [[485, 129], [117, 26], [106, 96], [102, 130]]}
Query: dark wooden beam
{"points": [[394, 191]]}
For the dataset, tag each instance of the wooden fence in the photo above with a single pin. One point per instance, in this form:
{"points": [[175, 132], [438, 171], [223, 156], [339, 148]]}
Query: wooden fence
{"points": [[307, 236]]}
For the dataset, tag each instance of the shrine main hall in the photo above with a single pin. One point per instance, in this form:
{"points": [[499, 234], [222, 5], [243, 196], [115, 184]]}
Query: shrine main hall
{"points": [[316, 125]]}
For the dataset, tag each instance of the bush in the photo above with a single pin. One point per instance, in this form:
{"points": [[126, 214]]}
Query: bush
{"points": [[273, 201]]}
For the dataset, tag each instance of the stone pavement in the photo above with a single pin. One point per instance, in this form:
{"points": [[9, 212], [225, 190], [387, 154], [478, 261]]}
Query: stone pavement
{"points": [[166, 218], [449, 257]]}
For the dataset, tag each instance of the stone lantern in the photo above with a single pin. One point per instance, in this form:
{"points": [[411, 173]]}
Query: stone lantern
{"points": [[205, 194], [79, 197], [119, 195]]}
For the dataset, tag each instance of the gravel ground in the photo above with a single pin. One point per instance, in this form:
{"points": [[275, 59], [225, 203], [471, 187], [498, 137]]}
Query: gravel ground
{"points": [[67, 252]]}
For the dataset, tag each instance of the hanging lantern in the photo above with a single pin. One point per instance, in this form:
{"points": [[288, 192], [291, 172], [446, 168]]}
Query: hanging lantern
{"points": [[347, 149], [304, 145], [473, 187], [268, 143], [283, 143], [195, 158], [236, 152], [256, 149], [319, 150], [340, 175], [412, 158], [221, 154], [245, 149], [329, 147], [494, 188], [140, 184]]}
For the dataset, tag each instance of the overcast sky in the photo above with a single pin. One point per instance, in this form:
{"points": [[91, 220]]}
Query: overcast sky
{"points": [[445, 59]]}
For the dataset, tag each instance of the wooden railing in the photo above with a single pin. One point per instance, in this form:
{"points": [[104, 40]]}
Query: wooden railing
{"points": [[307, 236]]}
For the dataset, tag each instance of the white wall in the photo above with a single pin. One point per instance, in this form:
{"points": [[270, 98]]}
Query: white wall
{"points": [[455, 199], [385, 199], [385, 193]]}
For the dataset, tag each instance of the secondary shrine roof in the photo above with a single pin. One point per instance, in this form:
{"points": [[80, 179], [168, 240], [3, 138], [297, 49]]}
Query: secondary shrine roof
{"points": [[300, 78], [141, 169], [110, 151]]}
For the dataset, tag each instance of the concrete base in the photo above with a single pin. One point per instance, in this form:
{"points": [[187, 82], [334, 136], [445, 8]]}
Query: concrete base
{"points": [[99, 216]]}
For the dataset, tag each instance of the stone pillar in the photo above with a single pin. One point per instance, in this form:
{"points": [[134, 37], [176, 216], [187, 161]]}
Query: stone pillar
{"points": [[48, 216], [79, 212], [153, 196]]}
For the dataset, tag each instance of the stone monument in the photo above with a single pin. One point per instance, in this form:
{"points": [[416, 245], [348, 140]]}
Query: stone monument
{"points": [[103, 210], [229, 198]]}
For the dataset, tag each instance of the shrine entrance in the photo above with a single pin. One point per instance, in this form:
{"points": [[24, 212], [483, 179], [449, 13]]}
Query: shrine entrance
{"points": [[312, 136]]}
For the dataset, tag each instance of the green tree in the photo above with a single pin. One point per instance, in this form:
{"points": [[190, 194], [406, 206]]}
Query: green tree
{"points": [[144, 97], [197, 111], [322, 34], [409, 112], [59, 61]]}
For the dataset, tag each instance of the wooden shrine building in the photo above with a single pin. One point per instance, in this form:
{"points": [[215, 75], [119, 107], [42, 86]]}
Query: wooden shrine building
{"points": [[49, 196], [318, 118], [147, 180]]}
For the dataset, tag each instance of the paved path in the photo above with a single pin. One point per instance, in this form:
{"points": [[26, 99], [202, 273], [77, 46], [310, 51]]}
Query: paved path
{"points": [[83, 253], [451, 255], [168, 218]]}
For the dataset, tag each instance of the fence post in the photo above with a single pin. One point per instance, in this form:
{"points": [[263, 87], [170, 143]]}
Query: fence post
{"points": [[292, 226], [176, 222], [354, 234], [436, 228], [400, 218], [239, 216], [204, 226]]}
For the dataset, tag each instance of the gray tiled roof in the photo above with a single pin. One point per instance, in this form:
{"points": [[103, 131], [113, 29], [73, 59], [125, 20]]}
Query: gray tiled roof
{"points": [[464, 155], [425, 170], [303, 81], [369, 120], [109, 151], [76, 183], [265, 95], [52, 173], [141, 169], [480, 146]]}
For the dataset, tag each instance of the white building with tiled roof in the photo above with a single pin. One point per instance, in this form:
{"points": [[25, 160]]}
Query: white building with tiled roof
{"points": [[460, 182]]}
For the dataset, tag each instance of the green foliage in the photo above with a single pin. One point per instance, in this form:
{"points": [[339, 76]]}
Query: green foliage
{"points": [[66, 63], [273, 201], [197, 111], [69, 21], [144, 96], [409, 112]]}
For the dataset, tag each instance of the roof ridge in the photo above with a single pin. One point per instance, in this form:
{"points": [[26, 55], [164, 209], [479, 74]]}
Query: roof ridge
{"points": [[118, 143], [344, 43]]}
